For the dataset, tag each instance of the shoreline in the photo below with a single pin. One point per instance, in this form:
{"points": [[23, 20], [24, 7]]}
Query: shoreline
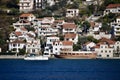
{"points": [[11, 57], [22, 57]]}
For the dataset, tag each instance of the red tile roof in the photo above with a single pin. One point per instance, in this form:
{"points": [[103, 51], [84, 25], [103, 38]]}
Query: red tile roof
{"points": [[64, 42], [67, 43], [70, 35], [96, 46], [18, 33], [113, 6], [23, 29], [109, 41], [69, 26], [25, 15]]}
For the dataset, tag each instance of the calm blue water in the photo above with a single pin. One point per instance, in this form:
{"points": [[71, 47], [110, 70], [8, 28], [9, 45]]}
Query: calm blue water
{"points": [[60, 69]]}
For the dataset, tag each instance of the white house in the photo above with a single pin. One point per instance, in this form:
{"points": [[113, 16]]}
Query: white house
{"points": [[0, 50], [33, 47], [88, 46], [99, 35], [26, 5], [27, 17], [51, 39], [60, 45], [16, 45], [116, 26], [104, 50], [117, 47], [113, 8], [51, 2], [49, 45], [22, 23], [47, 21], [69, 28], [59, 23], [25, 20], [71, 37], [38, 4], [47, 31], [72, 12]]}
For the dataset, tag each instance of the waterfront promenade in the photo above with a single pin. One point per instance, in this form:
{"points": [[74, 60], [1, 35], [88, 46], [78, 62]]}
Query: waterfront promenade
{"points": [[11, 57]]}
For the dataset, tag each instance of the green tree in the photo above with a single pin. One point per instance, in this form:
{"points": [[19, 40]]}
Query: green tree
{"points": [[22, 52], [85, 25], [92, 39], [105, 27]]}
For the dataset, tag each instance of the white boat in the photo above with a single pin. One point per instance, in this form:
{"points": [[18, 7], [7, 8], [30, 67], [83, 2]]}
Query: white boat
{"points": [[35, 57]]}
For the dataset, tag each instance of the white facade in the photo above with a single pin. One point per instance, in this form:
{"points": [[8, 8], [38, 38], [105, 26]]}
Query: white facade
{"points": [[89, 45], [104, 51], [116, 26], [20, 24], [99, 35], [72, 13], [0, 50], [49, 45], [52, 39], [59, 45], [71, 37], [69, 28], [112, 8], [38, 4], [26, 5], [27, 17], [51, 2], [47, 31], [33, 47], [47, 21], [16, 45], [117, 47]]}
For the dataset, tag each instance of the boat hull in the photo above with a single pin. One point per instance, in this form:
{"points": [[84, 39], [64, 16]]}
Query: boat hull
{"points": [[74, 57], [36, 58]]}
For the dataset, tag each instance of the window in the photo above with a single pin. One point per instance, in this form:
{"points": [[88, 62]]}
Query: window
{"points": [[102, 51], [99, 55], [106, 51], [105, 46], [67, 39], [109, 51], [18, 44], [14, 45], [107, 55], [33, 45], [56, 44], [28, 45], [33, 50]]}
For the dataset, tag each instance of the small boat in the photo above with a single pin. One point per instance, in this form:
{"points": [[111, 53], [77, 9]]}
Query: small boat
{"points": [[35, 57]]}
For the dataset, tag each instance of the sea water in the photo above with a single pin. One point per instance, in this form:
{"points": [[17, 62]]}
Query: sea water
{"points": [[60, 69]]}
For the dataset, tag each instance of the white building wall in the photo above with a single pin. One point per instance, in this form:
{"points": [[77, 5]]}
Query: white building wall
{"points": [[72, 12], [69, 31], [16, 46], [26, 5], [90, 45], [104, 51]]}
